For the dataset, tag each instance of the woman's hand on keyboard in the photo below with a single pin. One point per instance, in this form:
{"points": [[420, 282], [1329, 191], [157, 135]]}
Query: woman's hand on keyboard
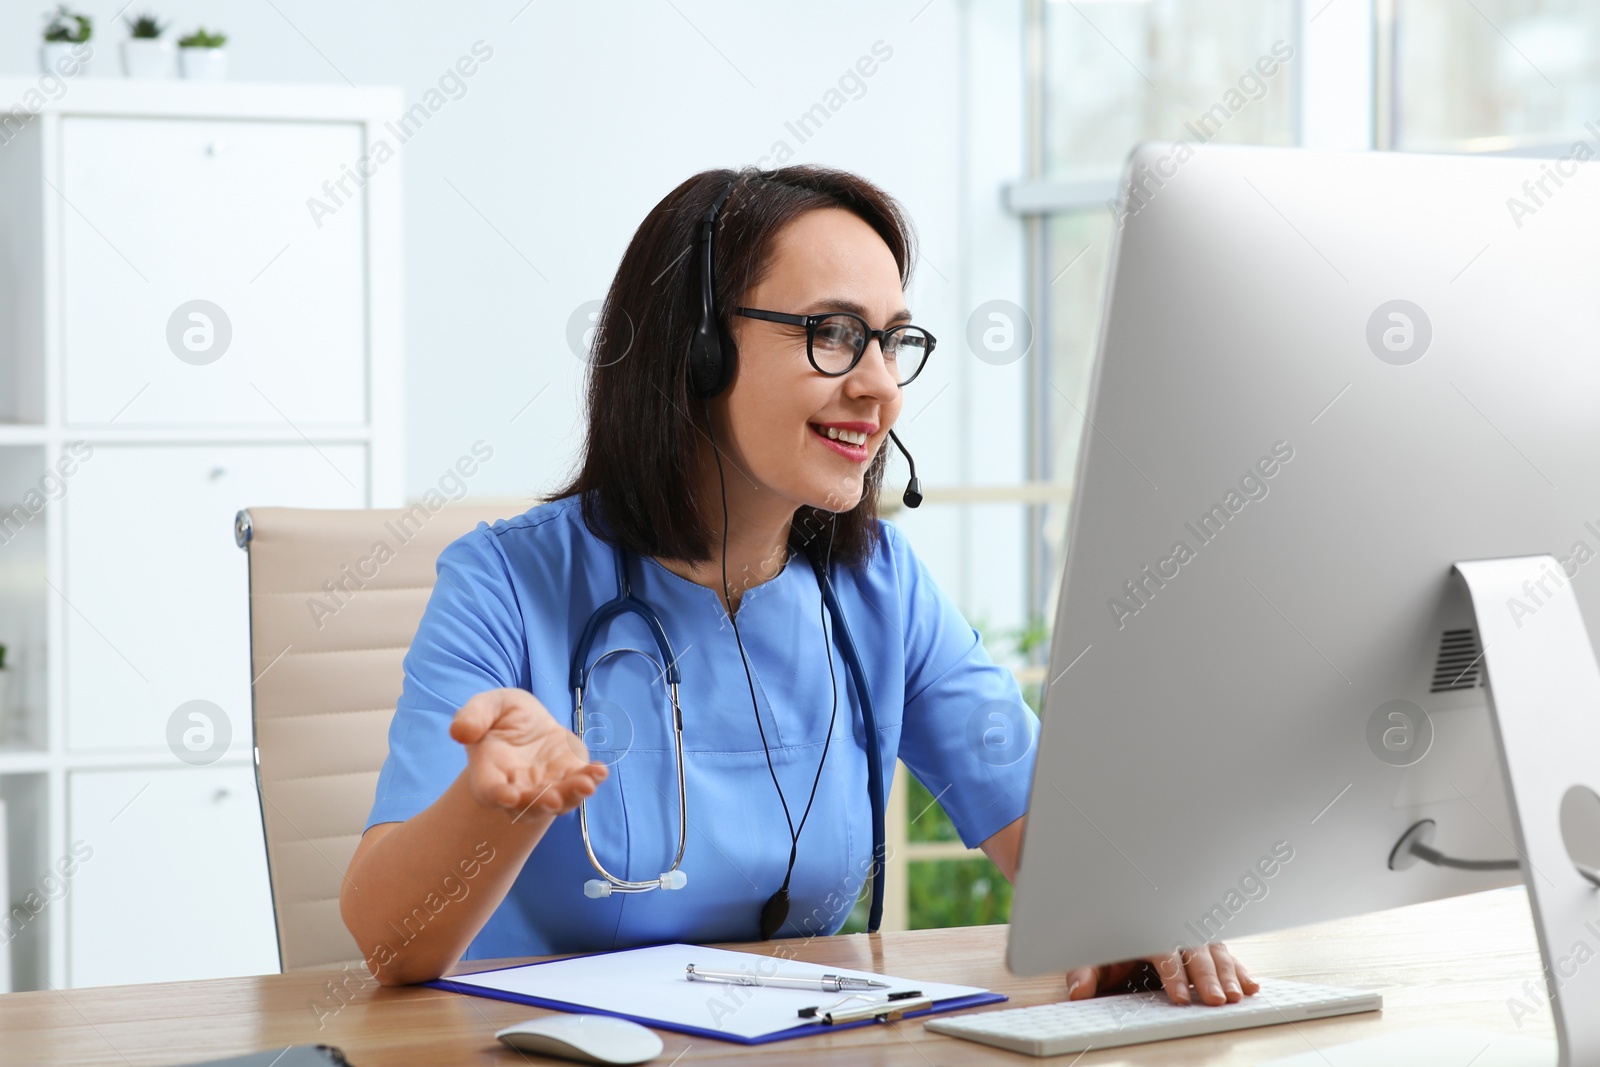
{"points": [[1216, 975]]}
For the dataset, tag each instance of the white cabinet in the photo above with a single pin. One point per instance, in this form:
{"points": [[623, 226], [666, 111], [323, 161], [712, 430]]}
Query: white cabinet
{"points": [[142, 224], [158, 850], [166, 212], [158, 586]]}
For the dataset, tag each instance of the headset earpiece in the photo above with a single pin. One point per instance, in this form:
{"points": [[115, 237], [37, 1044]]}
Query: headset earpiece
{"points": [[711, 350]]}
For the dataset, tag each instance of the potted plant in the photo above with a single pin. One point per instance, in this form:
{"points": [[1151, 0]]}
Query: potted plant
{"points": [[202, 55], [66, 41], [144, 53]]}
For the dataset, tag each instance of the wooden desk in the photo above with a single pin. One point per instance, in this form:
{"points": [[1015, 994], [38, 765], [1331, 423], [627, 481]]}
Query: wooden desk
{"points": [[1452, 962]]}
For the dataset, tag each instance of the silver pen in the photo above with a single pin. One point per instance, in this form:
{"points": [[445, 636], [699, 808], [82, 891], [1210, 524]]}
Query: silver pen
{"points": [[828, 983]]}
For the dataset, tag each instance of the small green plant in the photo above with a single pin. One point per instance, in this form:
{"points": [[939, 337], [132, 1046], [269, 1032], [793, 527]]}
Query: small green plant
{"points": [[1030, 637], [146, 26], [1021, 641], [201, 39], [67, 26], [2, 657]]}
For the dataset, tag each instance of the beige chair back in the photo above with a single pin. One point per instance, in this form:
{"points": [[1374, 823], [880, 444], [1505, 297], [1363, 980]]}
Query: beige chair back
{"points": [[332, 613]]}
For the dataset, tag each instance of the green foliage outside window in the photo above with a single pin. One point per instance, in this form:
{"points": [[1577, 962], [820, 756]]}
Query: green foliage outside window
{"points": [[925, 819], [956, 892]]}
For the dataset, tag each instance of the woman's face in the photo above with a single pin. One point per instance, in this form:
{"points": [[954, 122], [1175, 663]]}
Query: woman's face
{"points": [[778, 408]]}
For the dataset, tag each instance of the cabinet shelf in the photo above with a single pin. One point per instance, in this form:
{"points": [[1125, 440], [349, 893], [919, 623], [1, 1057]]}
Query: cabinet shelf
{"points": [[216, 349], [214, 434], [23, 761]]}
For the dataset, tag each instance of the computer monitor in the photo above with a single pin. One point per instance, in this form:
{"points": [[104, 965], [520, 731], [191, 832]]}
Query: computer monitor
{"points": [[1324, 379]]}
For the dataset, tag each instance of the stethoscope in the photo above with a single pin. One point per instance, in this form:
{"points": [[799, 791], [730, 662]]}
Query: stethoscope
{"points": [[667, 670]]}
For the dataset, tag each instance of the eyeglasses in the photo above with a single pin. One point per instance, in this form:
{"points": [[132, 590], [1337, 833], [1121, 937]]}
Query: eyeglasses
{"points": [[836, 341]]}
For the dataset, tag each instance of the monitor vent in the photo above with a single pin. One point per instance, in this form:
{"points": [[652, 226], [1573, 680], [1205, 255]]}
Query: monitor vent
{"points": [[1460, 663]]}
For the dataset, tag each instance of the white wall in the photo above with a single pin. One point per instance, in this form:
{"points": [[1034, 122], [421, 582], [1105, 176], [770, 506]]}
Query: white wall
{"points": [[522, 194]]}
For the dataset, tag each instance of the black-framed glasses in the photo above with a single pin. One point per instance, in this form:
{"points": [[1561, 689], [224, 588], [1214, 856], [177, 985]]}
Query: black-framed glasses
{"points": [[836, 341]]}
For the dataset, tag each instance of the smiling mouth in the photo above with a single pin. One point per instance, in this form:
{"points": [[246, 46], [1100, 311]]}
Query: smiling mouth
{"points": [[851, 444], [833, 433]]}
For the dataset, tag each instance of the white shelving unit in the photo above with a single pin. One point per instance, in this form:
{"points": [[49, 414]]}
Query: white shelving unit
{"points": [[130, 433]]}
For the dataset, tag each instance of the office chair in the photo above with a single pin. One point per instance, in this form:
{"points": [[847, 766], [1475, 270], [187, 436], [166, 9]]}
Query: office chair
{"points": [[329, 628]]}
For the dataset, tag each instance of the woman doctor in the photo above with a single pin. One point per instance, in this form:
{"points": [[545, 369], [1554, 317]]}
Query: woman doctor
{"points": [[728, 495]]}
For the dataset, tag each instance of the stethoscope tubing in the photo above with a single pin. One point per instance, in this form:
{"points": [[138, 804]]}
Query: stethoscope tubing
{"points": [[626, 603], [622, 885], [869, 723]]}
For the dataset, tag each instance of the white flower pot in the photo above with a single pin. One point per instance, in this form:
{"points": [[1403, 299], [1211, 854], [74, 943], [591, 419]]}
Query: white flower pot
{"points": [[65, 59], [204, 64], [148, 57]]}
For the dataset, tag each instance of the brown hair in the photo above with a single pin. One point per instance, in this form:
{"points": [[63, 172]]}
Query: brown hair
{"points": [[637, 471]]}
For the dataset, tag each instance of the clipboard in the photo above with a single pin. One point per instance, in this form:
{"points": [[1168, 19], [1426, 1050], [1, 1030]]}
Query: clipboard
{"points": [[646, 986]]}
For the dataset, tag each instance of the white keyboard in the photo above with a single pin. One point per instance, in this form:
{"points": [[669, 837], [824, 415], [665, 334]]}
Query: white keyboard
{"points": [[1135, 1018]]}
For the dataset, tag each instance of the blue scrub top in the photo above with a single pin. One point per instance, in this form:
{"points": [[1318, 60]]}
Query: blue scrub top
{"points": [[508, 608]]}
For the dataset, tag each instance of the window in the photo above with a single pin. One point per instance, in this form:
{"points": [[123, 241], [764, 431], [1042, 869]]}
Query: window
{"points": [[1117, 72], [1495, 74], [1110, 74]]}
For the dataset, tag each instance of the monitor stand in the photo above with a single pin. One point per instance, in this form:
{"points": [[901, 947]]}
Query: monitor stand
{"points": [[1544, 701]]}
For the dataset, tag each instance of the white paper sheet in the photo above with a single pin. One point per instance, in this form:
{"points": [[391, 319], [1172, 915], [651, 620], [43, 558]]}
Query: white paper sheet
{"points": [[650, 983]]}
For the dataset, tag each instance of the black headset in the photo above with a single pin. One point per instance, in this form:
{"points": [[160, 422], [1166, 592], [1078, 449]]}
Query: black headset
{"points": [[712, 353], [711, 358]]}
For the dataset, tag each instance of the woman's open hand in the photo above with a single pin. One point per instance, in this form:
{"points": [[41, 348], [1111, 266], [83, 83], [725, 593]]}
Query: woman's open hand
{"points": [[1219, 978], [520, 757]]}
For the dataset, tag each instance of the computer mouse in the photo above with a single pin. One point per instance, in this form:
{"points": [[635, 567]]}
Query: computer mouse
{"points": [[585, 1038]]}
